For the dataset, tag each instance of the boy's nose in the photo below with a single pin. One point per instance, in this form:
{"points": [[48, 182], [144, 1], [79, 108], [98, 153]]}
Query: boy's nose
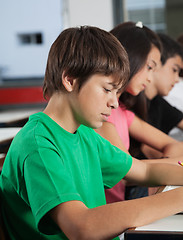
{"points": [[114, 102]]}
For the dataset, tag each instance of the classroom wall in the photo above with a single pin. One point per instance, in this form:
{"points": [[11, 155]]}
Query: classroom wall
{"points": [[174, 17], [86, 12], [48, 17], [26, 17]]}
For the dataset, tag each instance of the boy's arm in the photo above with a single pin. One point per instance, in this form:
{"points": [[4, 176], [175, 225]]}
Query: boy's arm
{"points": [[180, 124], [108, 221], [155, 174]]}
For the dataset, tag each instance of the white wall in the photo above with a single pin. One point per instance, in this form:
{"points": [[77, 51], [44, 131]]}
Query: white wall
{"points": [[24, 16], [91, 12], [48, 17]]}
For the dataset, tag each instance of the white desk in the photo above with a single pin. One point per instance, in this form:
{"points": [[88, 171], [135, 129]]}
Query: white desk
{"points": [[166, 228], [9, 116], [7, 134]]}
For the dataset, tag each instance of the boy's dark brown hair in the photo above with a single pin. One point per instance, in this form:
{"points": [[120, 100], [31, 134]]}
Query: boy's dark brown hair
{"points": [[81, 52], [171, 48]]}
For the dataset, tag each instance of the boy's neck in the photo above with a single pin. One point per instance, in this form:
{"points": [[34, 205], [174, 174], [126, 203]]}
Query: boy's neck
{"points": [[59, 111]]}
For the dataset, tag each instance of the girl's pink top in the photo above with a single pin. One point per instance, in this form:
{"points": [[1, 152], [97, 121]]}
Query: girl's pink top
{"points": [[122, 120]]}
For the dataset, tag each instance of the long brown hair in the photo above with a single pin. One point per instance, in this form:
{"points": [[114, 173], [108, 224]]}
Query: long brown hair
{"points": [[138, 42]]}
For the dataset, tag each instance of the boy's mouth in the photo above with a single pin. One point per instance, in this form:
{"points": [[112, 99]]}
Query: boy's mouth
{"points": [[105, 116]]}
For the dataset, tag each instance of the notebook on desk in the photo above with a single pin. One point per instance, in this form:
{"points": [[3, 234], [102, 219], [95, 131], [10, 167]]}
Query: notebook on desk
{"points": [[163, 229], [168, 188], [167, 228]]}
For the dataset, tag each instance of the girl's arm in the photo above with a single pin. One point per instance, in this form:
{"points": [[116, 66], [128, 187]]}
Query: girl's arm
{"points": [[156, 139], [168, 148]]}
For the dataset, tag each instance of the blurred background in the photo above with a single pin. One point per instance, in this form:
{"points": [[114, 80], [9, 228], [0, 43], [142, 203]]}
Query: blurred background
{"points": [[28, 29]]}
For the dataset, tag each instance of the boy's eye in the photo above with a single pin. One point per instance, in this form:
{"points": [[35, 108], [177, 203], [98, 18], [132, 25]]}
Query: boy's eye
{"points": [[107, 90]]}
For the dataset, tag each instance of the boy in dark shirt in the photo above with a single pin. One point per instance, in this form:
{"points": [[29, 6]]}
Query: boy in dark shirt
{"points": [[160, 113]]}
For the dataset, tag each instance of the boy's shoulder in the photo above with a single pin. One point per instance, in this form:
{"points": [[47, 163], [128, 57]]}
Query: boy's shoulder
{"points": [[35, 122], [89, 132]]}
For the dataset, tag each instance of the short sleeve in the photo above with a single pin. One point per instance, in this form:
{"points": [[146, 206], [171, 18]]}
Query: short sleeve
{"points": [[115, 163], [48, 184], [122, 119], [162, 115], [130, 117]]}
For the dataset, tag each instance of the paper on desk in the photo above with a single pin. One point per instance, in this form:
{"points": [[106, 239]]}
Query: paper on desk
{"points": [[167, 188], [171, 223]]}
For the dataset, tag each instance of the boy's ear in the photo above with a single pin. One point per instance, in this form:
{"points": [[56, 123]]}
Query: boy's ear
{"points": [[68, 82]]}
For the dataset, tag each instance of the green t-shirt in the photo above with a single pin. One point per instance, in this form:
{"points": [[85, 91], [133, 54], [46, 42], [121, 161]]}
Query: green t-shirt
{"points": [[46, 166]]}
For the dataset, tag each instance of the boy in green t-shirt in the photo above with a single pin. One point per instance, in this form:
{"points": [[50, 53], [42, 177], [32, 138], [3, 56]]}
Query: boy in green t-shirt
{"points": [[53, 179]]}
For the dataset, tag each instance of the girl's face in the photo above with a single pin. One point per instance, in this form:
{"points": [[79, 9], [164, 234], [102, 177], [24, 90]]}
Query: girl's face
{"points": [[142, 78], [167, 75]]}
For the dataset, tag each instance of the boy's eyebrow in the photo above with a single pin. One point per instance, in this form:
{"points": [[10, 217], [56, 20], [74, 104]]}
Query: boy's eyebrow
{"points": [[115, 85]]}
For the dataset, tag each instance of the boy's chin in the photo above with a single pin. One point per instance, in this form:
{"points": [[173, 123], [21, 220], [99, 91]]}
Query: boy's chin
{"points": [[96, 126], [165, 94]]}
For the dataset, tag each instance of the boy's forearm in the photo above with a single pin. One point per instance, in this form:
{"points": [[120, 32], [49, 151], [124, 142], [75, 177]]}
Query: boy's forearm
{"points": [[120, 216], [157, 172], [108, 221], [165, 174]]}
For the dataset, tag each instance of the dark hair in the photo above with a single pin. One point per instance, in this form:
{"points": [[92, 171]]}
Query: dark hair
{"points": [[81, 52], [138, 42], [180, 41], [170, 48]]}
